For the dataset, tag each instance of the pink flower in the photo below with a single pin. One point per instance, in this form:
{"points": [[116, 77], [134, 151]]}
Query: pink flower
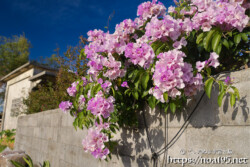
{"points": [[99, 105], [94, 143], [168, 27], [169, 72], [141, 54], [85, 81], [125, 84], [224, 14], [106, 86], [149, 9], [100, 81], [157, 93], [213, 60], [206, 26], [228, 81], [171, 9], [114, 67], [81, 102], [72, 90], [101, 125], [65, 106], [200, 65], [194, 85], [179, 44]]}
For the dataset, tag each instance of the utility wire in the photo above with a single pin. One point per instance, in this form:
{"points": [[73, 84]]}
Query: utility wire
{"points": [[155, 155]]}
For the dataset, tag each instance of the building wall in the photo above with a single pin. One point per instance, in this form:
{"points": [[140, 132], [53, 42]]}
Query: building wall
{"points": [[212, 132], [16, 89]]}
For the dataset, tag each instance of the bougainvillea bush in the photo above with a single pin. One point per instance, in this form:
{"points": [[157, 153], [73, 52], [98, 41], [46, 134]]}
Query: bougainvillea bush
{"points": [[161, 58]]}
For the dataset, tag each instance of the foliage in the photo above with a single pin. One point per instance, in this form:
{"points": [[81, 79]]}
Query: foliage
{"points": [[2, 147], [14, 52], [7, 138], [29, 162], [8, 134], [47, 96], [157, 59]]}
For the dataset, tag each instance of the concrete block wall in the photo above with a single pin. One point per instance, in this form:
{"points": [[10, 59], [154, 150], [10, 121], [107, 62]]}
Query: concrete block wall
{"points": [[212, 132]]}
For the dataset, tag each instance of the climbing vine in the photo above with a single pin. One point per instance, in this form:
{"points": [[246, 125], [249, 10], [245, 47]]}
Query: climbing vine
{"points": [[161, 58]]}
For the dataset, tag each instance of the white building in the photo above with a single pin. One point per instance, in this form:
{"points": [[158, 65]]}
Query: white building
{"points": [[18, 84]]}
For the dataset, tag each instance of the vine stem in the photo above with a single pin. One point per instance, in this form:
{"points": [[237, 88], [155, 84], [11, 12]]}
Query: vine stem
{"points": [[210, 77], [228, 86]]}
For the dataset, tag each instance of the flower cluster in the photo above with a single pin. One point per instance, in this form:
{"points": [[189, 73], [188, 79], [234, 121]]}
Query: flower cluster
{"points": [[141, 54], [148, 59], [226, 15], [212, 61], [100, 106], [65, 106], [94, 143], [149, 9], [72, 90], [113, 66], [172, 74], [161, 29]]}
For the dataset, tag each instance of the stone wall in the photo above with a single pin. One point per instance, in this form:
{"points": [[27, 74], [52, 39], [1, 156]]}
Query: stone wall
{"points": [[211, 132]]}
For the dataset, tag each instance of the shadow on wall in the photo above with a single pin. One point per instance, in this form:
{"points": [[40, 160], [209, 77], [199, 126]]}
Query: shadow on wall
{"points": [[241, 105], [133, 143]]}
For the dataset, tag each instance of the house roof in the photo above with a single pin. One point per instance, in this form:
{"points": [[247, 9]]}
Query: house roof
{"points": [[29, 65], [42, 74]]}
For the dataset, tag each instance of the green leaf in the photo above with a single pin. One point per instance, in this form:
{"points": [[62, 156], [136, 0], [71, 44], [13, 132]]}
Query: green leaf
{"points": [[208, 71], [155, 45], [112, 129], [222, 86], [138, 81], [207, 40], [160, 49], [208, 87], [130, 75], [165, 96], [173, 107], [127, 91], [151, 102], [113, 91], [225, 43], [199, 38], [145, 79], [215, 42], [230, 44], [46, 164], [136, 95], [28, 161], [237, 39], [166, 108], [135, 73], [236, 92], [244, 37], [220, 97], [218, 50], [93, 90], [230, 34], [16, 164], [98, 120], [145, 93], [232, 99]]}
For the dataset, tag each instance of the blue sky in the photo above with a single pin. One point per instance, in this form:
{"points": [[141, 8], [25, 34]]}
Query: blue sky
{"points": [[49, 24]]}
